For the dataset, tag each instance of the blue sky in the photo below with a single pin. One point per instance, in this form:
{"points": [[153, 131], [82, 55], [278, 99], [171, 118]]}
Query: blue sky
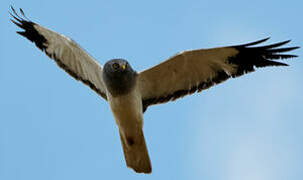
{"points": [[55, 128]]}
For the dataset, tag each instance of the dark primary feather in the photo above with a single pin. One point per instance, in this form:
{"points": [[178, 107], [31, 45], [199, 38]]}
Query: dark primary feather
{"points": [[250, 57], [247, 59], [41, 42], [30, 32]]}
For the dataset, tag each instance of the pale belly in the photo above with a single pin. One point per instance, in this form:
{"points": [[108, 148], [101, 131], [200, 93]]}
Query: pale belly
{"points": [[127, 110]]}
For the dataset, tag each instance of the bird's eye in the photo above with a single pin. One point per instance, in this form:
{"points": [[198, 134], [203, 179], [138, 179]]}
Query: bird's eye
{"points": [[116, 66]]}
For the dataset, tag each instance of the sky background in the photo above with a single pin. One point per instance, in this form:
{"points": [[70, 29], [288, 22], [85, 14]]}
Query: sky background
{"points": [[55, 128]]}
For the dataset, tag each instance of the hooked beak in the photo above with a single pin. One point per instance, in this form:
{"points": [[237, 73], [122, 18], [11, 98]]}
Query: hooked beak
{"points": [[123, 66]]}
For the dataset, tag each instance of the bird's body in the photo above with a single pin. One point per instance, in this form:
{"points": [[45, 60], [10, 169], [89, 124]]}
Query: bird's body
{"points": [[125, 101], [127, 110], [129, 93]]}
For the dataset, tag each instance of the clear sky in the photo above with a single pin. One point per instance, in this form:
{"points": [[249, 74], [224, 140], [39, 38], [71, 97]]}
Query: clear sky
{"points": [[55, 128]]}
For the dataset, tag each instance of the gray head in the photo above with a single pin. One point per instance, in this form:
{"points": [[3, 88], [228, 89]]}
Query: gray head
{"points": [[119, 77]]}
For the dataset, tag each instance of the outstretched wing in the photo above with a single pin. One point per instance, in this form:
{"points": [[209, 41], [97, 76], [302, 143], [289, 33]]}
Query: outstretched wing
{"points": [[66, 53], [196, 70]]}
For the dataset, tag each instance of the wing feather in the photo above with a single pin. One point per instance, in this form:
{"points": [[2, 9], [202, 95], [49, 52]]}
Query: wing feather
{"points": [[196, 70], [66, 53]]}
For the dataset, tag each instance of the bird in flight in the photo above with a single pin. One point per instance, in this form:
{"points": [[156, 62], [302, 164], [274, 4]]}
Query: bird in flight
{"points": [[130, 93]]}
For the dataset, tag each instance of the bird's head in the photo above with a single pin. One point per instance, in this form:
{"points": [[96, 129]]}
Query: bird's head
{"points": [[118, 76], [117, 66]]}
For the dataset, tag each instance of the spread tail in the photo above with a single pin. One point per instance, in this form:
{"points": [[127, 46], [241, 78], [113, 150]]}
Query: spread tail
{"points": [[135, 152]]}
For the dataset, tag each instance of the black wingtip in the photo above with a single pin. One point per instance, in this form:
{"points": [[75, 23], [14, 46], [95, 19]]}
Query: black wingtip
{"points": [[16, 16], [14, 11], [29, 28], [254, 43], [275, 45], [11, 7], [270, 51], [17, 24], [23, 14], [279, 50]]}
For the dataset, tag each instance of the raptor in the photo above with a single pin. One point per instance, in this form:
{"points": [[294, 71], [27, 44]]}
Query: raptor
{"points": [[130, 93]]}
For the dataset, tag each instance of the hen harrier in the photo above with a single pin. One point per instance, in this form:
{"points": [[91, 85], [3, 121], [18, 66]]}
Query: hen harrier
{"points": [[129, 93]]}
